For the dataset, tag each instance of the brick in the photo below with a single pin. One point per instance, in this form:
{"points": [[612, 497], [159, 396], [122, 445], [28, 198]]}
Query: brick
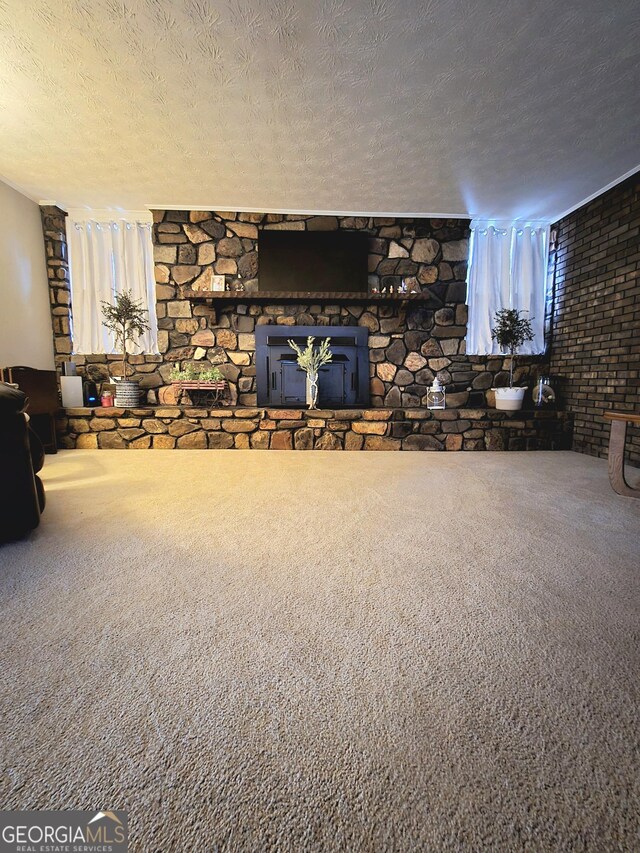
{"points": [[594, 315]]}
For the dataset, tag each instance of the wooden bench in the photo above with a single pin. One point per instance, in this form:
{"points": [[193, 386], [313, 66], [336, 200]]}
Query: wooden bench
{"points": [[617, 440]]}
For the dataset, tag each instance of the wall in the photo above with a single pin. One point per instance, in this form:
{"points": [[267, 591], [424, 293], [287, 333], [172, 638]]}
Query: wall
{"points": [[25, 320], [408, 345], [595, 348]]}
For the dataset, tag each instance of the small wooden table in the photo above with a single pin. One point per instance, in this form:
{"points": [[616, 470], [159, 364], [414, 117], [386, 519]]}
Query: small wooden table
{"points": [[617, 439]]}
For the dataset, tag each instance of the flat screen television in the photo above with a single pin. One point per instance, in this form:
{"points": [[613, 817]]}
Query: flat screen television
{"points": [[312, 261]]}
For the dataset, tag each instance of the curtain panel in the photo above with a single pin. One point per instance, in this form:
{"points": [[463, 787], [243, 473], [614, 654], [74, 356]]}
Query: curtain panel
{"points": [[507, 269], [109, 253]]}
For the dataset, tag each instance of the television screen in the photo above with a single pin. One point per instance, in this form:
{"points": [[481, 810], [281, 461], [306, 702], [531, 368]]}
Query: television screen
{"points": [[312, 261]]}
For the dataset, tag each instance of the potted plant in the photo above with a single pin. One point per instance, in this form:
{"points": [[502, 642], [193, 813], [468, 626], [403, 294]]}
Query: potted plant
{"points": [[206, 383], [511, 330], [310, 359], [127, 320]]}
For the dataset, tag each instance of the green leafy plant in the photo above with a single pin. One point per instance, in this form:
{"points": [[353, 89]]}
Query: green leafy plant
{"points": [[189, 373], [127, 319], [210, 374], [185, 374], [311, 358], [511, 330]]}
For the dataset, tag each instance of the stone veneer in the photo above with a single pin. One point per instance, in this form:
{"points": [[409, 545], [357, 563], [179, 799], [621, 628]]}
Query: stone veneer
{"points": [[55, 240], [409, 343], [285, 429]]}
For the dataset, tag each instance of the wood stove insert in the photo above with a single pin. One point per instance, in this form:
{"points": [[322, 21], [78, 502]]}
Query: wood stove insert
{"points": [[342, 382]]}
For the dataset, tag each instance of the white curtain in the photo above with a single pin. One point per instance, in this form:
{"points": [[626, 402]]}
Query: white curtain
{"points": [[109, 253], [507, 269]]}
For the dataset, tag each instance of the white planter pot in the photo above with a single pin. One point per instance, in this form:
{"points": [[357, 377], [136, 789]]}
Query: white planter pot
{"points": [[509, 399], [127, 394]]}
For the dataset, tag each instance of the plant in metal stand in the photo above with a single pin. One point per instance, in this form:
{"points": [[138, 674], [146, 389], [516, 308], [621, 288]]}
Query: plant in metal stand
{"points": [[310, 359], [203, 385], [511, 330], [128, 321]]}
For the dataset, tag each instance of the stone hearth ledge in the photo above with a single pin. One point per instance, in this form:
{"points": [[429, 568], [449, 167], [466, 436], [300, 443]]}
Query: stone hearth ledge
{"points": [[187, 427]]}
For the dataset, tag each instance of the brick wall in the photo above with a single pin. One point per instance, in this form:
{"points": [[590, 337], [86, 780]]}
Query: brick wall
{"points": [[595, 347]]}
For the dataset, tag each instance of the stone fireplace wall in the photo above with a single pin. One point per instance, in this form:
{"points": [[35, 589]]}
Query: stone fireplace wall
{"points": [[409, 343]]}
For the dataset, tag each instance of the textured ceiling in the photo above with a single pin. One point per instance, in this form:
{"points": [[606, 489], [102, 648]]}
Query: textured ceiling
{"points": [[424, 106]]}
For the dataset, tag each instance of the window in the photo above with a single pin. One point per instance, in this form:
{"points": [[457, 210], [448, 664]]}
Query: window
{"points": [[507, 269], [109, 254]]}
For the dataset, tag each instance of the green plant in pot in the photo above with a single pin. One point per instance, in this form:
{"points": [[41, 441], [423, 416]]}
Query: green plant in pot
{"points": [[189, 373], [198, 383], [128, 321], [510, 331], [310, 359]]}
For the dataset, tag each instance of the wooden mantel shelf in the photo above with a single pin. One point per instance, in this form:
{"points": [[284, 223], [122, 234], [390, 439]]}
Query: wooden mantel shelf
{"points": [[302, 296]]}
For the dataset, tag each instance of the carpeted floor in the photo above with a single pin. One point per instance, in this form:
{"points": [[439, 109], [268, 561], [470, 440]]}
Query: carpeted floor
{"points": [[328, 651]]}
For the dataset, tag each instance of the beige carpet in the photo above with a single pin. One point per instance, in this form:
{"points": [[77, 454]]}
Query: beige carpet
{"points": [[318, 652]]}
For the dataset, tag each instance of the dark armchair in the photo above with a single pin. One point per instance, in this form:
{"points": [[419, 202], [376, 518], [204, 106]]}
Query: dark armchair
{"points": [[21, 457], [41, 388]]}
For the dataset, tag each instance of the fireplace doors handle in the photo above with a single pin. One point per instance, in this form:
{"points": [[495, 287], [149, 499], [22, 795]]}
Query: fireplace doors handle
{"points": [[273, 380]]}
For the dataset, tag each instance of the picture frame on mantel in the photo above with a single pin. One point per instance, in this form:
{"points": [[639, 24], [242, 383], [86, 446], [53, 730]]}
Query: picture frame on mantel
{"points": [[209, 284]]}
